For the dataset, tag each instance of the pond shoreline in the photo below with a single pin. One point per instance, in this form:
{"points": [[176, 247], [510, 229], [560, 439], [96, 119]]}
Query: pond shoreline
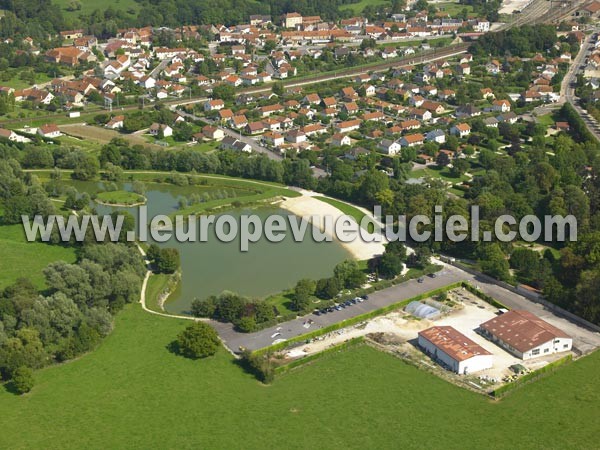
{"points": [[306, 206]]}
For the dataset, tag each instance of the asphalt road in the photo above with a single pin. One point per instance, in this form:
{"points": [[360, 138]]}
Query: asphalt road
{"points": [[584, 339], [569, 92]]}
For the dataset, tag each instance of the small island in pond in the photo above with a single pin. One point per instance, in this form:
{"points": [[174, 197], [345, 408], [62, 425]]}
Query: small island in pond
{"points": [[120, 198]]}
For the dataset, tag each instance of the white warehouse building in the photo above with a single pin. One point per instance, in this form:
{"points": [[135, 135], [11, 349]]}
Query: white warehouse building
{"points": [[525, 335], [452, 348]]}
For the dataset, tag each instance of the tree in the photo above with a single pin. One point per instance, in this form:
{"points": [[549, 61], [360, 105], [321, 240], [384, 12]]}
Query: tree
{"points": [[198, 340], [153, 252], [442, 159], [168, 260], [328, 287], [349, 274], [23, 380], [224, 92], [302, 293], [493, 262], [278, 88], [390, 265], [459, 167], [203, 308], [112, 172]]}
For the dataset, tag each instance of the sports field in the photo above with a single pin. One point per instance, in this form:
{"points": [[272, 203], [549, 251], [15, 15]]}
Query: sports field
{"points": [[131, 392]]}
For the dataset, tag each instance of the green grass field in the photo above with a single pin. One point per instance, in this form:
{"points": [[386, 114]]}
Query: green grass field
{"points": [[89, 6], [357, 8], [19, 258], [16, 83], [131, 392]]}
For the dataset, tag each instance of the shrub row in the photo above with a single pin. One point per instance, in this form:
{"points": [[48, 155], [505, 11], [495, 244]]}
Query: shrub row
{"points": [[507, 388], [486, 298]]}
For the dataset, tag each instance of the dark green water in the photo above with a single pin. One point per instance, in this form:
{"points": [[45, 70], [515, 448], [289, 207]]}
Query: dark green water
{"points": [[213, 266]]}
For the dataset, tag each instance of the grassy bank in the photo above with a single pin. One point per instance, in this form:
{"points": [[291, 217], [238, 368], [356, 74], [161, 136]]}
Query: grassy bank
{"points": [[347, 209]]}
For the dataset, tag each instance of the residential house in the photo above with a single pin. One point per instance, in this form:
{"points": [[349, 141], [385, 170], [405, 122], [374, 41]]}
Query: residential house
{"points": [[155, 129], [410, 140], [115, 123], [212, 132], [49, 131], [339, 139], [501, 106], [347, 126], [460, 130], [438, 136], [389, 147], [214, 105]]}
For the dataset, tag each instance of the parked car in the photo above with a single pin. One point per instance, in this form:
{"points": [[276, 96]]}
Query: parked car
{"points": [[420, 279]]}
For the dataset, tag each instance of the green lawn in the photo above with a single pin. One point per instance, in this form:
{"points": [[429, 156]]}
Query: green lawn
{"points": [[19, 258], [131, 392], [454, 8], [547, 120], [89, 6], [357, 8], [283, 301], [16, 83], [435, 172]]}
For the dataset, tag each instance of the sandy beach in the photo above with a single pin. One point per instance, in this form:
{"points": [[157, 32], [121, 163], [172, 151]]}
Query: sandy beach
{"points": [[306, 206]]}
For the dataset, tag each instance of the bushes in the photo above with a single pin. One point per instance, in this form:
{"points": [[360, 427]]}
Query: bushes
{"points": [[198, 340], [247, 316], [22, 381], [258, 365]]}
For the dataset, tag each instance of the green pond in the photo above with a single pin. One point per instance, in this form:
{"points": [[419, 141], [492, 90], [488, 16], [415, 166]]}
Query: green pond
{"points": [[211, 267]]}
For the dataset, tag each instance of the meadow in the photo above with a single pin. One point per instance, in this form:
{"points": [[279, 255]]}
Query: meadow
{"points": [[132, 392], [89, 6], [19, 258]]}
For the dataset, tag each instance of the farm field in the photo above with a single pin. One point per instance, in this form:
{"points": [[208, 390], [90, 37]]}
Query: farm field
{"points": [[20, 258], [132, 390]]}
